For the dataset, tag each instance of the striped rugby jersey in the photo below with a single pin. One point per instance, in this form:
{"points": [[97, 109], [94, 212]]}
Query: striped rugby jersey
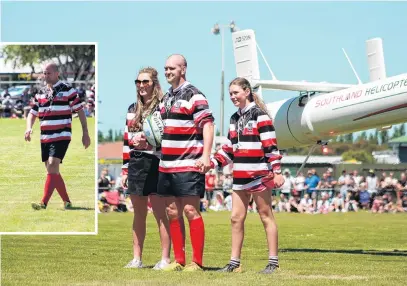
{"points": [[184, 112], [252, 148], [55, 114], [128, 135]]}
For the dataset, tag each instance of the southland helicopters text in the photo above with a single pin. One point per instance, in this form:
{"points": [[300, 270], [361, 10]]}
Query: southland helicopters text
{"points": [[356, 94]]}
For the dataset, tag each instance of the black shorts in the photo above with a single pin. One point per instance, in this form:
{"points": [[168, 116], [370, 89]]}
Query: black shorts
{"points": [[183, 184], [54, 149], [142, 174]]}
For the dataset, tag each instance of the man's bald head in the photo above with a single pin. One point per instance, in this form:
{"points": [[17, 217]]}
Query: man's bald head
{"points": [[51, 73], [175, 70], [179, 59], [51, 66]]}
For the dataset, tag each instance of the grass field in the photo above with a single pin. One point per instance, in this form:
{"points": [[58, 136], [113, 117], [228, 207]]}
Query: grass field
{"points": [[340, 249], [22, 177]]}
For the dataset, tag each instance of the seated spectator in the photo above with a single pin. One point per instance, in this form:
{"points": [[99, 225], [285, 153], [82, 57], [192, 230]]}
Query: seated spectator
{"points": [[227, 185], [293, 204], [19, 109], [218, 204], [387, 203], [338, 204], [351, 203], [377, 206], [283, 203], [203, 205], [129, 205], [8, 106], [103, 205], [402, 205], [105, 182], [228, 203], [364, 197], [401, 188], [323, 205], [274, 203], [306, 204]]}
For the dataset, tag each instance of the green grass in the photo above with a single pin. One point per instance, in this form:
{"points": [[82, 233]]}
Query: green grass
{"points": [[22, 177], [340, 249]]}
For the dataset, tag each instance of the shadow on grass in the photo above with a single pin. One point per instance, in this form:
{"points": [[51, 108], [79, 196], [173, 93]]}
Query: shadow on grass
{"points": [[348, 251], [212, 268], [205, 268], [79, 209]]}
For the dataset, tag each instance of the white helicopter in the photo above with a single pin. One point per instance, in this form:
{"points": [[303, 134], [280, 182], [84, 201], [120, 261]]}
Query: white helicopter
{"points": [[323, 111]]}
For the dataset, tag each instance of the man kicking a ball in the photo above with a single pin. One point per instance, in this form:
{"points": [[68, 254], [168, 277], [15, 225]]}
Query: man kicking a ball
{"points": [[54, 105]]}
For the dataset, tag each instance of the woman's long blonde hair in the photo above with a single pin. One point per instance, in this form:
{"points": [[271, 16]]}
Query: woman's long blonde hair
{"points": [[141, 110], [245, 84]]}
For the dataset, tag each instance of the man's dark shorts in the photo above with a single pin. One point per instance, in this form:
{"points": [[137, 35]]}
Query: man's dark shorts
{"points": [[183, 184], [54, 149]]}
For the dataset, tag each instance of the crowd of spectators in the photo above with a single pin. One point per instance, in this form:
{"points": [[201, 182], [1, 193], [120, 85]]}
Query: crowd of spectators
{"points": [[311, 194]]}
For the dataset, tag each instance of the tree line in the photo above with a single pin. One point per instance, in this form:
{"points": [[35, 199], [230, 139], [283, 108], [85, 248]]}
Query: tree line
{"points": [[74, 61], [352, 147]]}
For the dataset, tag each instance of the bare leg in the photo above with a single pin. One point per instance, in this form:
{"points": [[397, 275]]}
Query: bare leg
{"points": [[158, 204], [240, 202], [262, 200], [139, 224]]}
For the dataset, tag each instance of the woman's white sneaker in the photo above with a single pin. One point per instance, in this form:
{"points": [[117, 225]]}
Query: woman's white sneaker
{"points": [[160, 265], [135, 263]]}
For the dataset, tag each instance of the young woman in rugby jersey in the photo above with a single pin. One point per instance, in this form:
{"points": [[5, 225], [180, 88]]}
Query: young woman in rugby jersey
{"points": [[54, 105], [252, 148], [140, 168]]}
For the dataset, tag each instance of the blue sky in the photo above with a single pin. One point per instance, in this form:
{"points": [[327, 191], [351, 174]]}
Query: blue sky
{"points": [[301, 41]]}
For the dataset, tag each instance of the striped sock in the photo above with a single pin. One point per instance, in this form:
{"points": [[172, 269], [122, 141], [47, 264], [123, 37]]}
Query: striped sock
{"points": [[273, 260], [235, 262]]}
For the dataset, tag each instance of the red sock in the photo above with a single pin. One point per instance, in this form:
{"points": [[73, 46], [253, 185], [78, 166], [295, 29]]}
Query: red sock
{"points": [[61, 189], [49, 187], [177, 241], [197, 233]]}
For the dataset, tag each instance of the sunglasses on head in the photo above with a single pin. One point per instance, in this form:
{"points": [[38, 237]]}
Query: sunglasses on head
{"points": [[145, 82]]}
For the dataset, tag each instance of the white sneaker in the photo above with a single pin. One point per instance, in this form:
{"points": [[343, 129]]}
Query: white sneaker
{"points": [[135, 263], [160, 265]]}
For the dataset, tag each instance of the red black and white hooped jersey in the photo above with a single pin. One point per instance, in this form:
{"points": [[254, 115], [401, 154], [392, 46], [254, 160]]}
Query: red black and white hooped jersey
{"points": [[54, 110], [184, 111], [251, 147], [128, 147]]}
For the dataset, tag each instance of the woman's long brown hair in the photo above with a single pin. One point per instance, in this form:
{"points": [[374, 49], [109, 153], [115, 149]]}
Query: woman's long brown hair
{"points": [[141, 109]]}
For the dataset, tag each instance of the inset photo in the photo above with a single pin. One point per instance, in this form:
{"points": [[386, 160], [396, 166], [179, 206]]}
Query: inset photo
{"points": [[47, 138]]}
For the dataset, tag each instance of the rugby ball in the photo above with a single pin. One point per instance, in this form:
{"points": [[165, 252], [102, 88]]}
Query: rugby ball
{"points": [[153, 128]]}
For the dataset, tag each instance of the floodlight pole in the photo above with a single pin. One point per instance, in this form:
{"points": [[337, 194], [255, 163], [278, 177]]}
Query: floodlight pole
{"points": [[218, 29], [222, 86]]}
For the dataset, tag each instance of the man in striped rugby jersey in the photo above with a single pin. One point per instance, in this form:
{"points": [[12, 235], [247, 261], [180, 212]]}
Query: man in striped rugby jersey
{"points": [[54, 105], [252, 147], [187, 140]]}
